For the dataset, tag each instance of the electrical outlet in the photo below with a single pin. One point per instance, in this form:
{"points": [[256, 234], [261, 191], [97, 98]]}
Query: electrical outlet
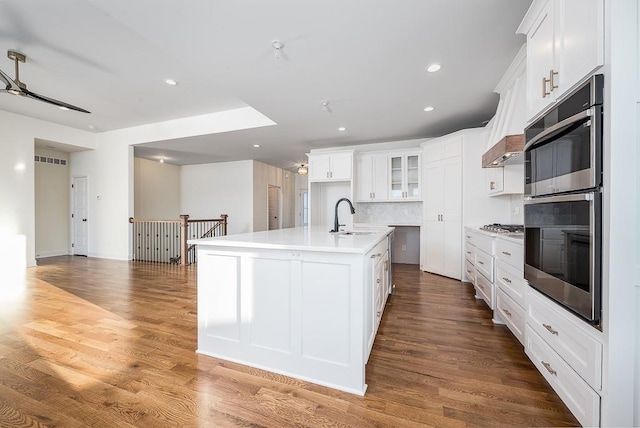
{"points": [[404, 247]]}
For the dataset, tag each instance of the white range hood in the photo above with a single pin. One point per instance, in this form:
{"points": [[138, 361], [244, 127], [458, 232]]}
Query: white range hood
{"points": [[506, 138]]}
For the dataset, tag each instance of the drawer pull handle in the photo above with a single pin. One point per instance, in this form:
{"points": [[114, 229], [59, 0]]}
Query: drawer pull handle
{"points": [[506, 253], [468, 252], [469, 272], [549, 369], [550, 329], [480, 262], [378, 313], [506, 311], [506, 279], [481, 286], [468, 237]]}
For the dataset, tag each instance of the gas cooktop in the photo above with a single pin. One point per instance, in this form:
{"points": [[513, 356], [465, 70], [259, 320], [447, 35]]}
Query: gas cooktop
{"points": [[503, 228]]}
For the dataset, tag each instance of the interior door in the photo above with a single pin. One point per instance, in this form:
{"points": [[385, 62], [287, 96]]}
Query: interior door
{"points": [[79, 216], [274, 208]]}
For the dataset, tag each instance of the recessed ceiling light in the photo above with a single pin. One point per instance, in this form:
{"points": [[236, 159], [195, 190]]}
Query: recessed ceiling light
{"points": [[256, 145], [342, 128], [63, 108], [429, 108], [170, 82], [433, 68]]}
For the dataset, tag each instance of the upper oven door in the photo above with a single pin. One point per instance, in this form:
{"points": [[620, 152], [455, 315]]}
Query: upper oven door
{"points": [[566, 156], [563, 249]]}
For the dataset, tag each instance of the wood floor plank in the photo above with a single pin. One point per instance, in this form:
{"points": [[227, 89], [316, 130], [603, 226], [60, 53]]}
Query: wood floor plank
{"points": [[112, 343]]}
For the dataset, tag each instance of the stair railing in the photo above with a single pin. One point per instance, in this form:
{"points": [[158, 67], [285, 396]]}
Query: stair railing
{"points": [[165, 241]]}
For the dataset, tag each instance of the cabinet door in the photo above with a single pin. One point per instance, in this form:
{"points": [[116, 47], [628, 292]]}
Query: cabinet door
{"points": [[396, 177], [581, 34], [494, 178], [364, 177], [341, 166], [380, 178], [412, 177], [319, 167], [434, 208], [540, 57], [452, 217]]}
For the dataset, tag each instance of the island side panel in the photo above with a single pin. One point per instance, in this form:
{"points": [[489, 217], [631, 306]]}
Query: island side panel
{"points": [[296, 313]]}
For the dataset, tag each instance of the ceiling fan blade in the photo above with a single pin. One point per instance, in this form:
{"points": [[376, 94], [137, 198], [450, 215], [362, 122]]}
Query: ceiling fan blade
{"points": [[39, 97]]}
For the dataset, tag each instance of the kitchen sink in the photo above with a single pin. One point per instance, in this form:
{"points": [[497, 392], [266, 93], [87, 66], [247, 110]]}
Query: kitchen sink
{"points": [[357, 232]]}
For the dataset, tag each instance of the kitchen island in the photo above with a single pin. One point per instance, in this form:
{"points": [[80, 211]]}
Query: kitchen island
{"points": [[301, 302]]}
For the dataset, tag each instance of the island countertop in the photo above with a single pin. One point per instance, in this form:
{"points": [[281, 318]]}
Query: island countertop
{"points": [[311, 238]]}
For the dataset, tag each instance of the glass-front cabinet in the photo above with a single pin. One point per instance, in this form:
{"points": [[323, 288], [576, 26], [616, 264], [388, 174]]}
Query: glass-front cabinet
{"points": [[404, 176]]}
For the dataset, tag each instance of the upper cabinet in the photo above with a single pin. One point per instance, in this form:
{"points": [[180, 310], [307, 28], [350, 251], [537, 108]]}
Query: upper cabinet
{"points": [[334, 166], [371, 177], [565, 44], [404, 175]]}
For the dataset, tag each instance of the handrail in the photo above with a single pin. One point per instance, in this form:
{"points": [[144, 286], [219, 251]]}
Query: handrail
{"points": [[154, 240]]}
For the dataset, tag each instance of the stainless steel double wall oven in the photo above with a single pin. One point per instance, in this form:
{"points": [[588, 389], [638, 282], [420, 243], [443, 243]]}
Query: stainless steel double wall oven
{"points": [[563, 202]]}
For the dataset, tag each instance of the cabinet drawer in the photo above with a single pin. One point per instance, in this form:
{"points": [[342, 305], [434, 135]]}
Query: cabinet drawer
{"points": [[583, 401], [579, 349], [511, 281], [485, 290], [470, 253], [511, 313], [470, 237], [510, 253], [484, 264], [484, 243], [470, 272]]}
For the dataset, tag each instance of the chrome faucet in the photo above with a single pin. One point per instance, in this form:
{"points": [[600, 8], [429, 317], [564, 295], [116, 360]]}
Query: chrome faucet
{"points": [[336, 224]]}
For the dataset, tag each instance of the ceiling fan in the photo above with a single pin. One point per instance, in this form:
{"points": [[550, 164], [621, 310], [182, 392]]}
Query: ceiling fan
{"points": [[16, 87]]}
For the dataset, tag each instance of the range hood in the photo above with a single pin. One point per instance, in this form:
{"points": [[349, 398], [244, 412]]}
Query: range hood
{"points": [[505, 152], [506, 138]]}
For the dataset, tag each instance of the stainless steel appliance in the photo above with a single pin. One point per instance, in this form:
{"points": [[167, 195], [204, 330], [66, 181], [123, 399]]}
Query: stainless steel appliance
{"points": [[563, 202], [563, 149], [508, 229]]}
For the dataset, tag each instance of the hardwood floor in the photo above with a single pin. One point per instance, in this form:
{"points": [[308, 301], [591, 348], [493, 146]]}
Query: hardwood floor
{"points": [[93, 342]]}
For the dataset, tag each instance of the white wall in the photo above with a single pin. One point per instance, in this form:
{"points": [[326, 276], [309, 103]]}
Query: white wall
{"points": [[301, 185], [17, 186], [478, 208], [209, 190], [264, 176], [52, 205], [156, 190]]}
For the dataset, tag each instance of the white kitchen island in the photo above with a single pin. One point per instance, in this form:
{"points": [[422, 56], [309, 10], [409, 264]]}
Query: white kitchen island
{"points": [[301, 302]]}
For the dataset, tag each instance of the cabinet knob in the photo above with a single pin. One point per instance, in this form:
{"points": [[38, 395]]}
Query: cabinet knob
{"points": [[492, 185], [549, 368], [544, 87], [552, 85], [550, 329]]}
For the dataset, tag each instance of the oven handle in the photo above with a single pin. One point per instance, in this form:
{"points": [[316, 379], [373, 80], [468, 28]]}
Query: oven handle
{"points": [[528, 200], [552, 130]]}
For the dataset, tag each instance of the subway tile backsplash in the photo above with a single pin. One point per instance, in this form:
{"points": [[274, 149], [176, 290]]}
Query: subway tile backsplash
{"points": [[389, 212]]}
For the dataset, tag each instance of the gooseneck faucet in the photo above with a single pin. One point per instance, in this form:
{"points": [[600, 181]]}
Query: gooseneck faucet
{"points": [[336, 224]]}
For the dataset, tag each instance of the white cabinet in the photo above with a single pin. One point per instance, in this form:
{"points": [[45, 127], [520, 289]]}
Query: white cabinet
{"points": [[377, 291], [568, 353], [371, 177], [506, 180], [510, 285], [336, 166], [404, 175], [442, 240], [480, 264], [565, 43]]}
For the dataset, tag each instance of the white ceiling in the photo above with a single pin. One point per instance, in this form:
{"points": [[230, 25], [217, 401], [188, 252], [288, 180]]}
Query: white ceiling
{"points": [[366, 57]]}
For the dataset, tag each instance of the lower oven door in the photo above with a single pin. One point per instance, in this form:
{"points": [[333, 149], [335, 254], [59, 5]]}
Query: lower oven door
{"points": [[563, 242]]}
